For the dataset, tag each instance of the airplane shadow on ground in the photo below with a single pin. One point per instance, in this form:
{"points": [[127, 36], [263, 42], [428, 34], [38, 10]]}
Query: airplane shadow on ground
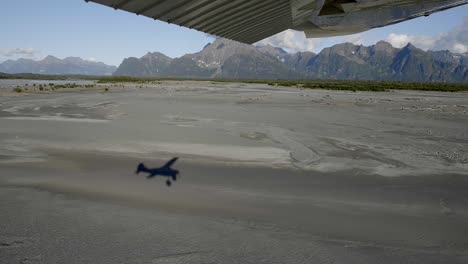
{"points": [[165, 171]]}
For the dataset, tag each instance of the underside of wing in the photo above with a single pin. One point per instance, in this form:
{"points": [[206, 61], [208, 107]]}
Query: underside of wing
{"points": [[249, 21], [246, 21]]}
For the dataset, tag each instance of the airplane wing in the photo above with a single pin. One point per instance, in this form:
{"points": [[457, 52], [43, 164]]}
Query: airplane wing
{"points": [[249, 21], [170, 163]]}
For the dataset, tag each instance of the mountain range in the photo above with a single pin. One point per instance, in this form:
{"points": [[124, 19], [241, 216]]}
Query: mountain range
{"points": [[229, 59], [51, 65], [233, 60]]}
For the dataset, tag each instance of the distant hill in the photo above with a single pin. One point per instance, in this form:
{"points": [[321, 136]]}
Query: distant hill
{"points": [[54, 66], [229, 59]]}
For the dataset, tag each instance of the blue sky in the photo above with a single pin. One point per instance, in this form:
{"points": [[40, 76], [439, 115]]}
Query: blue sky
{"points": [[34, 29]]}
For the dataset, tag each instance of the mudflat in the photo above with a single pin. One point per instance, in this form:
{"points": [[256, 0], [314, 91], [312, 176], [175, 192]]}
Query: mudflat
{"points": [[268, 175]]}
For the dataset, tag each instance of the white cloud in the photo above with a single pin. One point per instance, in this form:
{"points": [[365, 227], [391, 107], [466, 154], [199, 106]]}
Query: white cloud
{"points": [[21, 52], [401, 40], [357, 39], [455, 40], [460, 48], [17, 53], [91, 59], [291, 40]]}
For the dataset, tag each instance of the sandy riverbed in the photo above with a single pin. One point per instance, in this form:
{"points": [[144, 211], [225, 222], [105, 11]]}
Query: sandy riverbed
{"points": [[269, 175]]}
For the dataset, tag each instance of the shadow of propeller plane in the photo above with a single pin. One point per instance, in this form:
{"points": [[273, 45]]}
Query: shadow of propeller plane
{"points": [[165, 171]]}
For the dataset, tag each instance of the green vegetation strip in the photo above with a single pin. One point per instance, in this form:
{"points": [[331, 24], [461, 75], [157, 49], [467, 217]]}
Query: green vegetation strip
{"points": [[374, 86]]}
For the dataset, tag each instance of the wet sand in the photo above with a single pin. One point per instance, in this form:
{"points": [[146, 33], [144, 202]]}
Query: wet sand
{"points": [[268, 175]]}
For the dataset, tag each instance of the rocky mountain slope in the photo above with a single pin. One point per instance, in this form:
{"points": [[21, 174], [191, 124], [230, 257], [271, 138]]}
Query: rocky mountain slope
{"points": [[228, 59]]}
